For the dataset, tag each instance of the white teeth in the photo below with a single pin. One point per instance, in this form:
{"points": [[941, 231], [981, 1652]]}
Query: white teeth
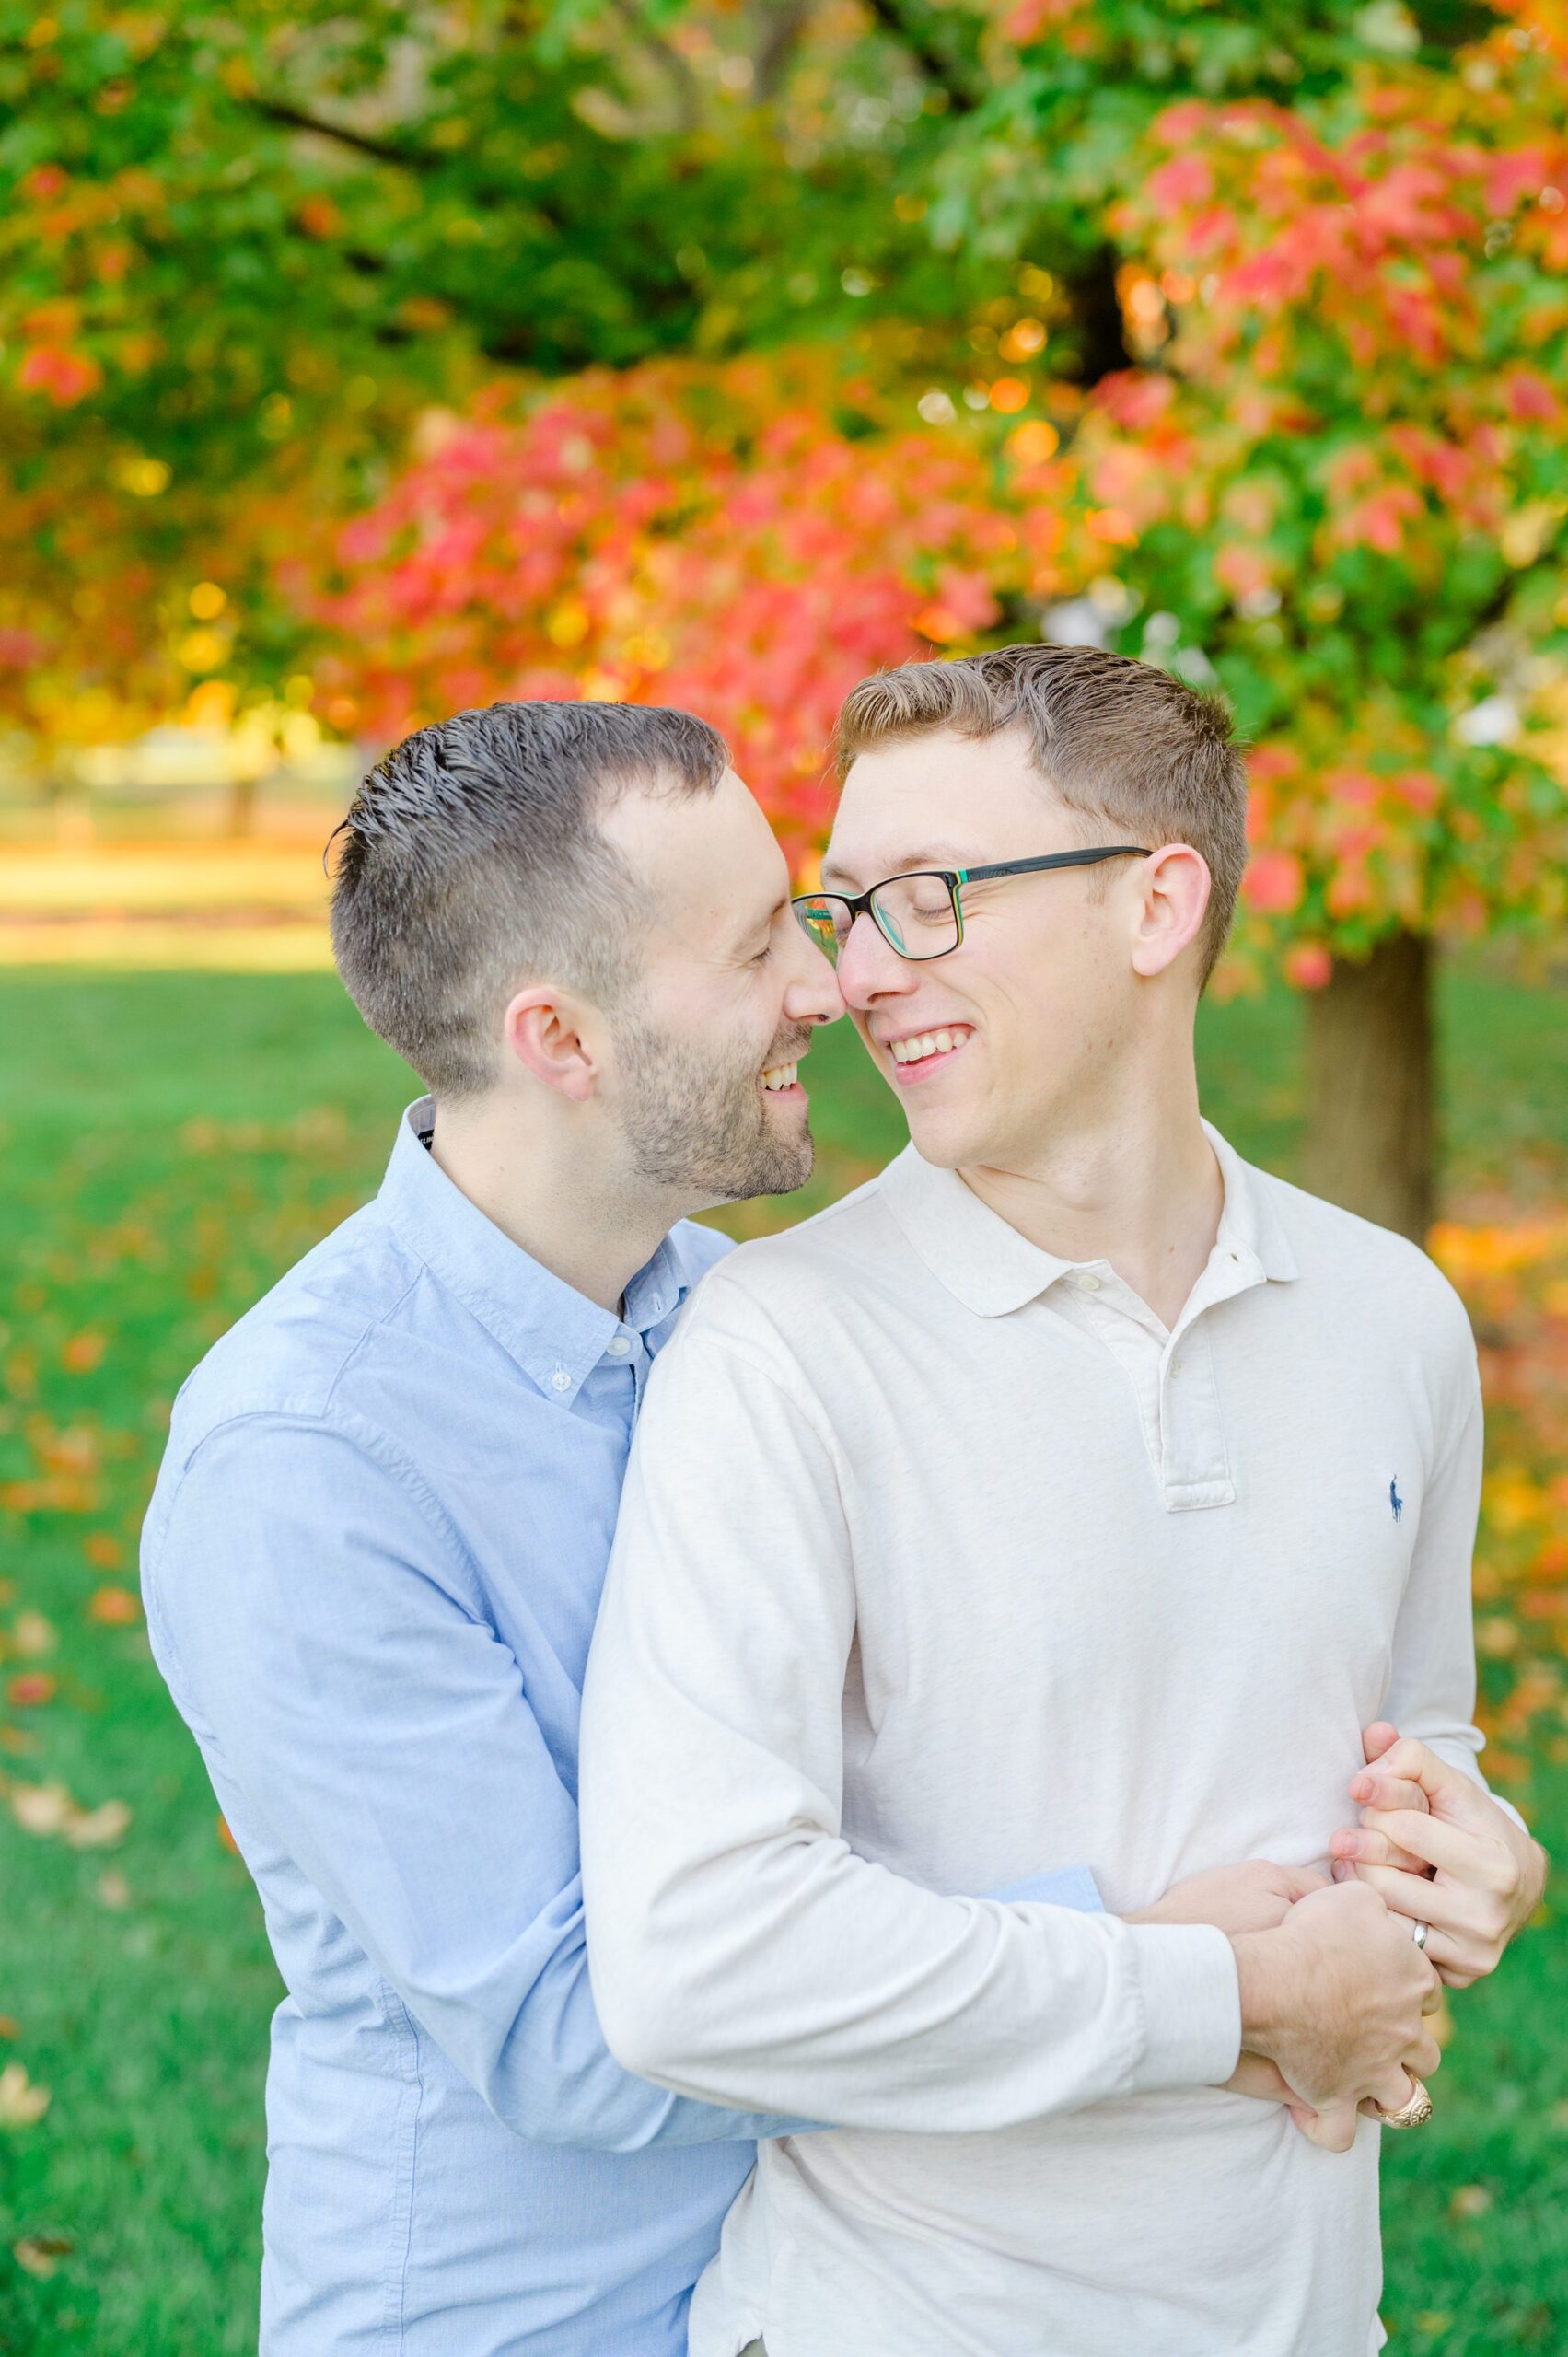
{"points": [[920, 1044]]}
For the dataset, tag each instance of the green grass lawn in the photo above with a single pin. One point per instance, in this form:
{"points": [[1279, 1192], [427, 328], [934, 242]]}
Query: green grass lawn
{"points": [[172, 1142]]}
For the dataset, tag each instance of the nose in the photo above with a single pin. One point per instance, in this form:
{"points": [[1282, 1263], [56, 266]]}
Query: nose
{"points": [[813, 994], [870, 969]]}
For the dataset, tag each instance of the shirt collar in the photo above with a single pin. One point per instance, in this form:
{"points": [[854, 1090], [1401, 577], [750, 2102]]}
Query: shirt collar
{"points": [[555, 1334], [1250, 1224], [993, 1269]]}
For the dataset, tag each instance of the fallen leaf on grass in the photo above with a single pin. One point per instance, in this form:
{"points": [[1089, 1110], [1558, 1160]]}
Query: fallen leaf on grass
{"points": [[98, 1828], [113, 1890], [49, 1809], [40, 2255], [20, 2102], [9, 2025], [41, 1808], [32, 1636], [1471, 2201], [29, 1689], [116, 1608]]}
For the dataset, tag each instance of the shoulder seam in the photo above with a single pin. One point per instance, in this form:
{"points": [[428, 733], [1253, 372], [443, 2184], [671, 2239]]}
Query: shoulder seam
{"points": [[359, 1432], [373, 1325]]}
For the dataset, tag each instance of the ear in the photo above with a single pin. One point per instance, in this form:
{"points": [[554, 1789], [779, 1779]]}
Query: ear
{"points": [[1173, 893], [549, 1033]]}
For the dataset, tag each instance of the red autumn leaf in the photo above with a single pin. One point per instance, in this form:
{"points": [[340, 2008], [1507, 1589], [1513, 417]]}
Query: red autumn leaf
{"points": [[1309, 966], [66, 376], [29, 1688], [1274, 882]]}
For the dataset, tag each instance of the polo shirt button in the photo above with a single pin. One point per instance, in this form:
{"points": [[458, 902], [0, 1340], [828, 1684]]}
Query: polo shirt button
{"points": [[561, 1380], [618, 1346]]}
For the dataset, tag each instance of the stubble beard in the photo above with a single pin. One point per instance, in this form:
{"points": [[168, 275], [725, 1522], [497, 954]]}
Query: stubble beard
{"points": [[698, 1124]]}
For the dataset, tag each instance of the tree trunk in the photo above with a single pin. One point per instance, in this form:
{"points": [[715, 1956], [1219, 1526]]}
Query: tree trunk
{"points": [[1371, 1133], [242, 793]]}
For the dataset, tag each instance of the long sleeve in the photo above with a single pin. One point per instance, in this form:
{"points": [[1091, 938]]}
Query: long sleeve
{"points": [[310, 1609], [1432, 1683], [741, 1950]]}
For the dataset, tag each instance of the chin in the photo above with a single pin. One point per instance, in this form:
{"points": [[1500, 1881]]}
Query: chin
{"points": [[942, 1137]]}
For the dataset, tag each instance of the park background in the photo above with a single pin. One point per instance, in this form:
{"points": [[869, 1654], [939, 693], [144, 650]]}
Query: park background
{"points": [[356, 367]]}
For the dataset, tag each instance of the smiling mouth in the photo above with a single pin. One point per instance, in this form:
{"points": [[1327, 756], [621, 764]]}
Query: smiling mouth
{"points": [[778, 1078], [919, 1053]]}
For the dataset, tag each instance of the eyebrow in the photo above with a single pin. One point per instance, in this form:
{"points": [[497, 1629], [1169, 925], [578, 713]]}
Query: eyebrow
{"points": [[934, 855]]}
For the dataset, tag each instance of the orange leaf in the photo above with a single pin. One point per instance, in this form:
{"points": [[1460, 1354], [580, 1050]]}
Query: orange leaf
{"points": [[115, 1606], [29, 1688]]}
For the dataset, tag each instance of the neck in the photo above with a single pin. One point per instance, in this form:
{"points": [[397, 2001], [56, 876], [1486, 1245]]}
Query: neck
{"points": [[1132, 1180], [550, 1188]]}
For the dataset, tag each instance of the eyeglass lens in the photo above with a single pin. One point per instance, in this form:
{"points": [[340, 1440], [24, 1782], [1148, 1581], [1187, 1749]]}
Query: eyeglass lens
{"points": [[913, 913]]}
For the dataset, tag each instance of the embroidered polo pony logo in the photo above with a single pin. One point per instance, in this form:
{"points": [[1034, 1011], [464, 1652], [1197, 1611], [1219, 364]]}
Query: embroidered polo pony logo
{"points": [[1395, 1501]]}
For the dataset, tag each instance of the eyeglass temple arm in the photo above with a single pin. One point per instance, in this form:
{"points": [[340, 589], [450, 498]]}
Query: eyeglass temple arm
{"points": [[1055, 859]]}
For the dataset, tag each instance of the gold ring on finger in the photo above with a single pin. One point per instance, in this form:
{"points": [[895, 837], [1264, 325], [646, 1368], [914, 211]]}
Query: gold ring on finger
{"points": [[1414, 2112]]}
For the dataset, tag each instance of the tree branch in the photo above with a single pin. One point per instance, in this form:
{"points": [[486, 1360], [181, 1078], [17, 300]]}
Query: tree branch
{"points": [[380, 151], [686, 88], [784, 25], [937, 68], [408, 159]]}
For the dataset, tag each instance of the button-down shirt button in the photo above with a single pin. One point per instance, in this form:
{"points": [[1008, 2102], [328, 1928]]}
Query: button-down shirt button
{"points": [[561, 1380], [1176, 1365], [1086, 1281], [618, 1346]]}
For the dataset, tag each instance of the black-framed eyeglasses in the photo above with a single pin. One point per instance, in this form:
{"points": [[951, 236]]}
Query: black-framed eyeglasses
{"points": [[921, 915]]}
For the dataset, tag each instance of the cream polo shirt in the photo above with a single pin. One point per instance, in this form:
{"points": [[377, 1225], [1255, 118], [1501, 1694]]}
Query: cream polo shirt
{"points": [[939, 1561]]}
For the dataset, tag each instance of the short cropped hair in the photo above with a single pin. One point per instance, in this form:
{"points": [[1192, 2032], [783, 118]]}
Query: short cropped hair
{"points": [[1124, 744], [472, 863]]}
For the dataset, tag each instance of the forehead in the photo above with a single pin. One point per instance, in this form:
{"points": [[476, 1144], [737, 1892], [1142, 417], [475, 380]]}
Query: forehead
{"points": [[944, 796], [703, 858]]}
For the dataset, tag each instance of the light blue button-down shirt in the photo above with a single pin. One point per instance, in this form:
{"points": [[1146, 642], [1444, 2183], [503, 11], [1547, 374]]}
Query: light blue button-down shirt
{"points": [[371, 1565]]}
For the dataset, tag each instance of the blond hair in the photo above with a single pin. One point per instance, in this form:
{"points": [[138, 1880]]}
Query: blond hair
{"points": [[1121, 743]]}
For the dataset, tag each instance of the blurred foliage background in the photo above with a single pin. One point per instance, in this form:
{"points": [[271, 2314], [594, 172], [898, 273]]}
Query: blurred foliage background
{"points": [[358, 366]]}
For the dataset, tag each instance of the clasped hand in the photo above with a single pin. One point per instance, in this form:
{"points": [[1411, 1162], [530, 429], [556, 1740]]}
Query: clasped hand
{"points": [[1332, 2001], [1438, 1849]]}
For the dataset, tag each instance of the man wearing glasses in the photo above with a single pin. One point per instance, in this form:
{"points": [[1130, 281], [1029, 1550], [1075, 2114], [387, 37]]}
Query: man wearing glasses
{"points": [[1035, 1502], [374, 1556]]}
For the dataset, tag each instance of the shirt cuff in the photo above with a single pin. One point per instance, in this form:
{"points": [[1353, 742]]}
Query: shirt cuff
{"points": [[1072, 1886], [1192, 2005]]}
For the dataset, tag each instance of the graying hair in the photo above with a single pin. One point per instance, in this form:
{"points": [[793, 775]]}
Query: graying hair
{"points": [[472, 863]]}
